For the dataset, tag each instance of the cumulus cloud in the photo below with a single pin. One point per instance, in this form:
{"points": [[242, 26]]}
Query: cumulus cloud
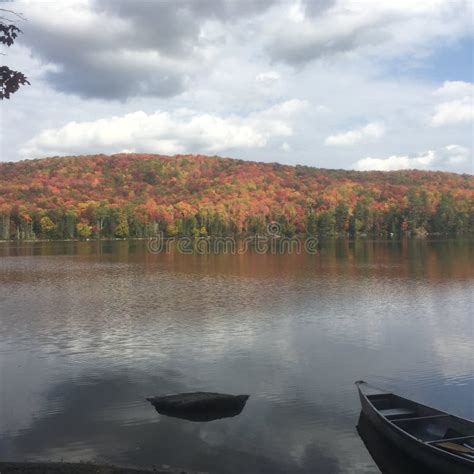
{"points": [[311, 30], [370, 133], [445, 157], [117, 49], [453, 112], [182, 131], [455, 89], [396, 162], [225, 59], [121, 48], [459, 108]]}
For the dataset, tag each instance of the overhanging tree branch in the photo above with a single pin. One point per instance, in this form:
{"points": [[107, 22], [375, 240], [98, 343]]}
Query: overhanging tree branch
{"points": [[19, 16], [10, 80]]}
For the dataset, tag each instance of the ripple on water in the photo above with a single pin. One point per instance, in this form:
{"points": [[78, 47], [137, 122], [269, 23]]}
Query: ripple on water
{"points": [[85, 338]]}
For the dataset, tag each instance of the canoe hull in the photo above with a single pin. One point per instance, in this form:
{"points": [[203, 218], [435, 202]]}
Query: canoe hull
{"points": [[388, 457], [435, 459]]}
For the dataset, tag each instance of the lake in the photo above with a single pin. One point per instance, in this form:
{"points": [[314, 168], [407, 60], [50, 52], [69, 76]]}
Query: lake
{"points": [[89, 329]]}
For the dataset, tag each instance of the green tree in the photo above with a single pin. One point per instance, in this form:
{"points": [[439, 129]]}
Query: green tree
{"points": [[417, 214], [444, 220], [84, 231], [172, 230], [69, 224], [325, 223], [47, 227], [341, 216], [311, 223], [122, 229]]}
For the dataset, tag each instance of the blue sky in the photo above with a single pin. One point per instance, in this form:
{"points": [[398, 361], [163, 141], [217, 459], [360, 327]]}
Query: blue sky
{"points": [[453, 62], [447, 62], [330, 83]]}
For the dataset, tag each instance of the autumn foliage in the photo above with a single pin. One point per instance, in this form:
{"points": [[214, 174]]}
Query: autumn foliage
{"points": [[132, 195]]}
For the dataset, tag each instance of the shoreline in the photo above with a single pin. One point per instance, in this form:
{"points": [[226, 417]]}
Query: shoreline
{"points": [[81, 468], [323, 238]]}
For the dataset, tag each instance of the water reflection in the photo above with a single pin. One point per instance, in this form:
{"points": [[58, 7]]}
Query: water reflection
{"points": [[89, 329], [102, 420], [434, 259]]}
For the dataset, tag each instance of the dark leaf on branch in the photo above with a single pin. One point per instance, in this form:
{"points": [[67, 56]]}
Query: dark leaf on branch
{"points": [[8, 34], [10, 81]]}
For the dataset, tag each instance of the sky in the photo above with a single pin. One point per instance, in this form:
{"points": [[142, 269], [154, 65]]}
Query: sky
{"points": [[372, 84]]}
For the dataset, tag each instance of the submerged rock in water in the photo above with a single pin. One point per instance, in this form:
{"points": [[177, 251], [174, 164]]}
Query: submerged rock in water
{"points": [[199, 406]]}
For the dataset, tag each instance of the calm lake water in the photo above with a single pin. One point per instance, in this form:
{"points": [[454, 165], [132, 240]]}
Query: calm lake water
{"points": [[88, 330]]}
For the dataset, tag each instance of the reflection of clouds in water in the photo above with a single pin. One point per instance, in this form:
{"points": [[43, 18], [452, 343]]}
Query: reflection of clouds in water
{"points": [[98, 335], [455, 369], [23, 378], [285, 444], [453, 337], [414, 317]]}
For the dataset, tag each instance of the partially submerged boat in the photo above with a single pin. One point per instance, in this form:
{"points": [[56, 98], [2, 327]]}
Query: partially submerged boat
{"points": [[442, 442], [199, 406]]}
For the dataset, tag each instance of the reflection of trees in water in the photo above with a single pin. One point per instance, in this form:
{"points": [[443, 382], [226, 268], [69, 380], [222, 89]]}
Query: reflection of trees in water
{"points": [[436, 260]]}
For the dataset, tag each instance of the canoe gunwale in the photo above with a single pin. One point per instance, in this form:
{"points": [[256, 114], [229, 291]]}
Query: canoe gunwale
{"points": [[459, 438]]}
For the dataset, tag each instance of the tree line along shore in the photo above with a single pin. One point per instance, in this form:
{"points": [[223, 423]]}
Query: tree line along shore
{"points": [[141, 196]]}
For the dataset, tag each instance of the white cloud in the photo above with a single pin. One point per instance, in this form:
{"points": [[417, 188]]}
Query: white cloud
{"points": [[268, 78], [353, 64], [455, 89], [162, 132], [118, 49], [459, 109], [453, 112], [456, 154], [370, 133], [445, 157], [396, 162], [312, 30], [296, 12]]}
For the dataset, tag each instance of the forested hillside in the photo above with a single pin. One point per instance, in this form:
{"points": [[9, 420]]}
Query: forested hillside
{"points": [[131, 195]]}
